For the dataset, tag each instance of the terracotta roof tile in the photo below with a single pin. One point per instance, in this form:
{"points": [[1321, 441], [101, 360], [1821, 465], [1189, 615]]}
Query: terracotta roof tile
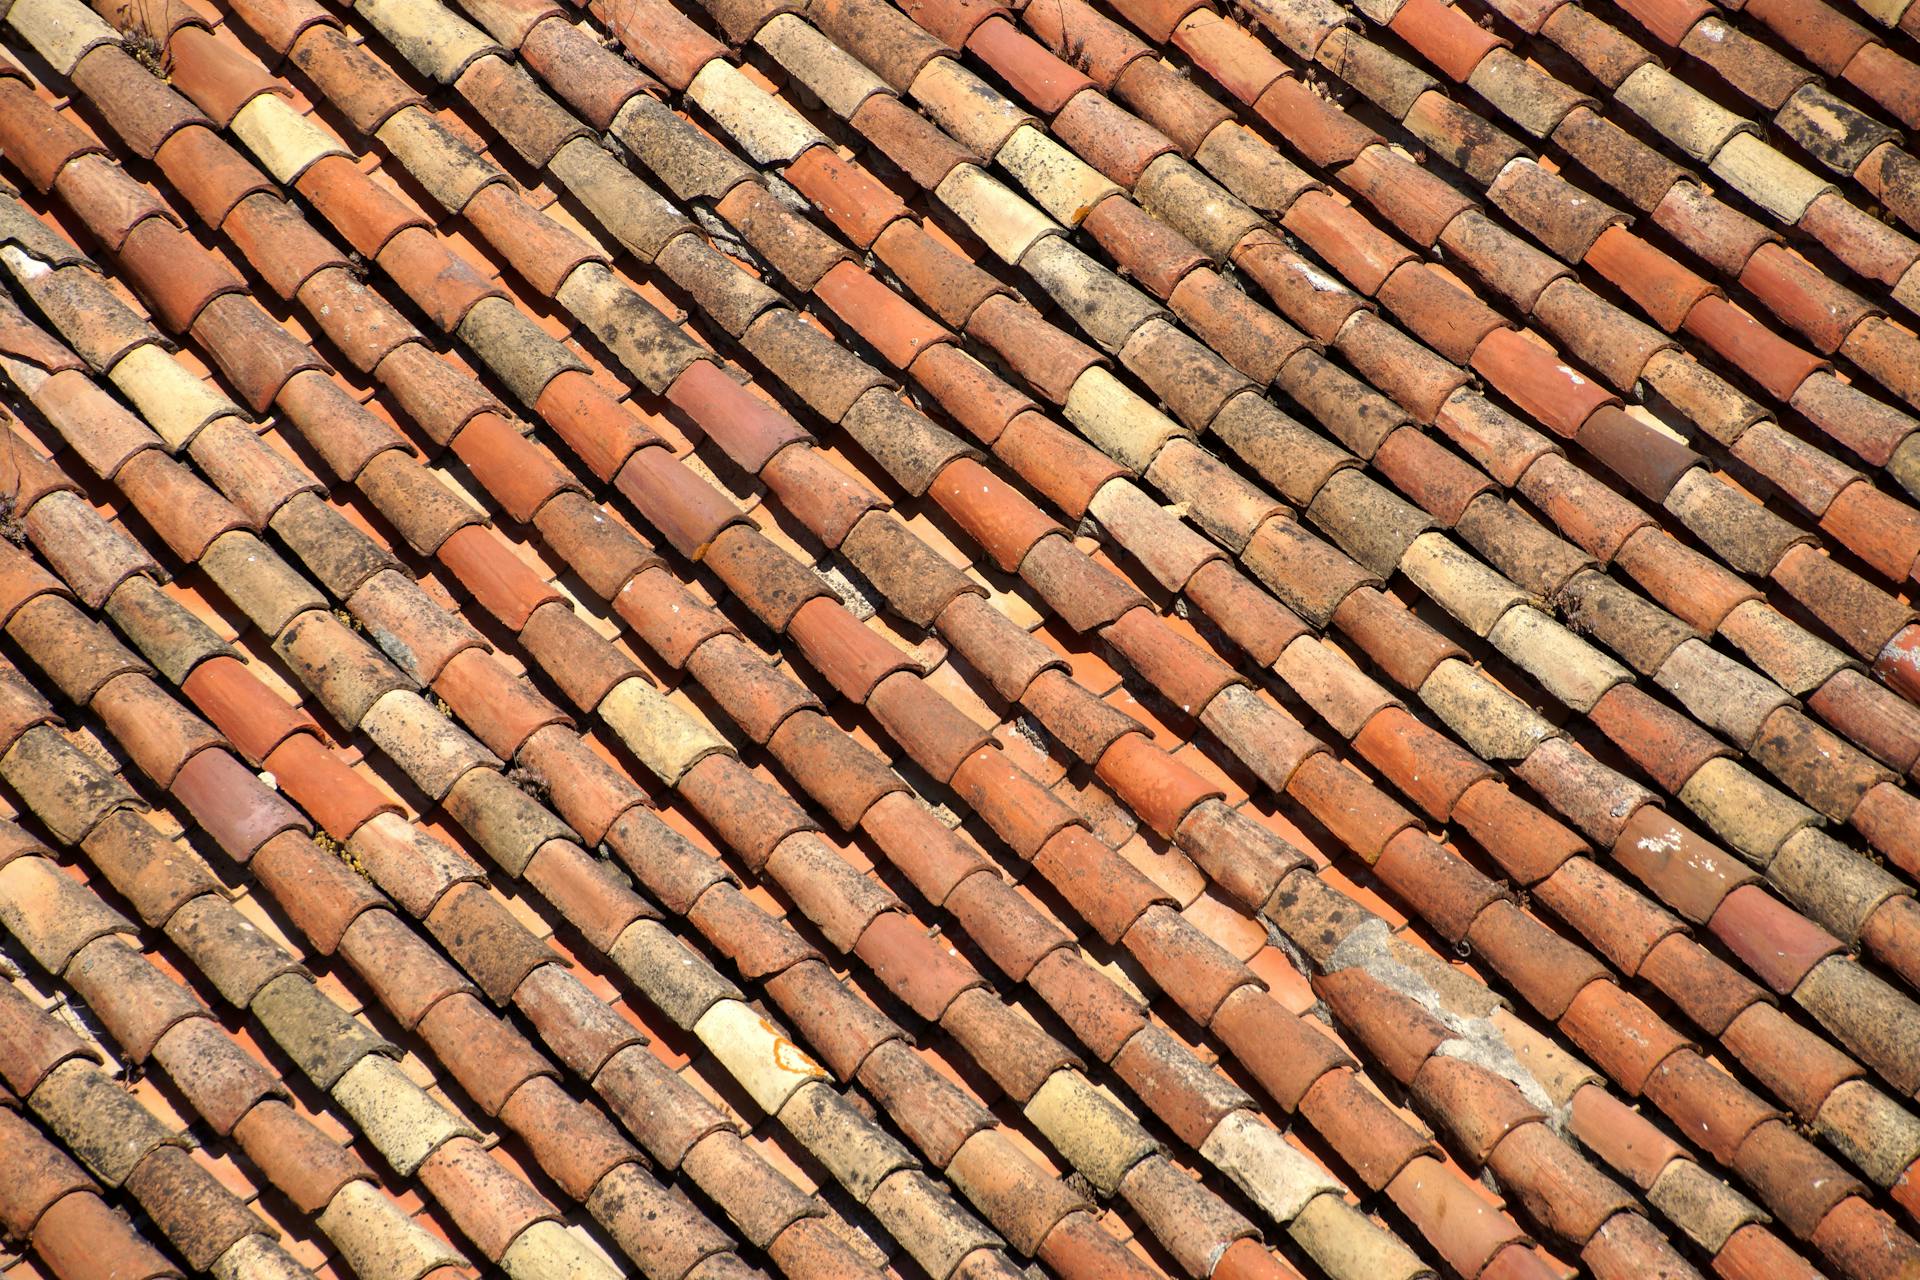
{"points": [[73, 1228]]}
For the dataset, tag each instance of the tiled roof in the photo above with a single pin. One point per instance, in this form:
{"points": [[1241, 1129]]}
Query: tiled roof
{"points": [[833, 638]]}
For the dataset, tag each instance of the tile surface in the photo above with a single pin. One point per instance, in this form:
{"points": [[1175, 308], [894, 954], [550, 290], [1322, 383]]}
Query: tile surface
{"points": [[947, 639]]}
